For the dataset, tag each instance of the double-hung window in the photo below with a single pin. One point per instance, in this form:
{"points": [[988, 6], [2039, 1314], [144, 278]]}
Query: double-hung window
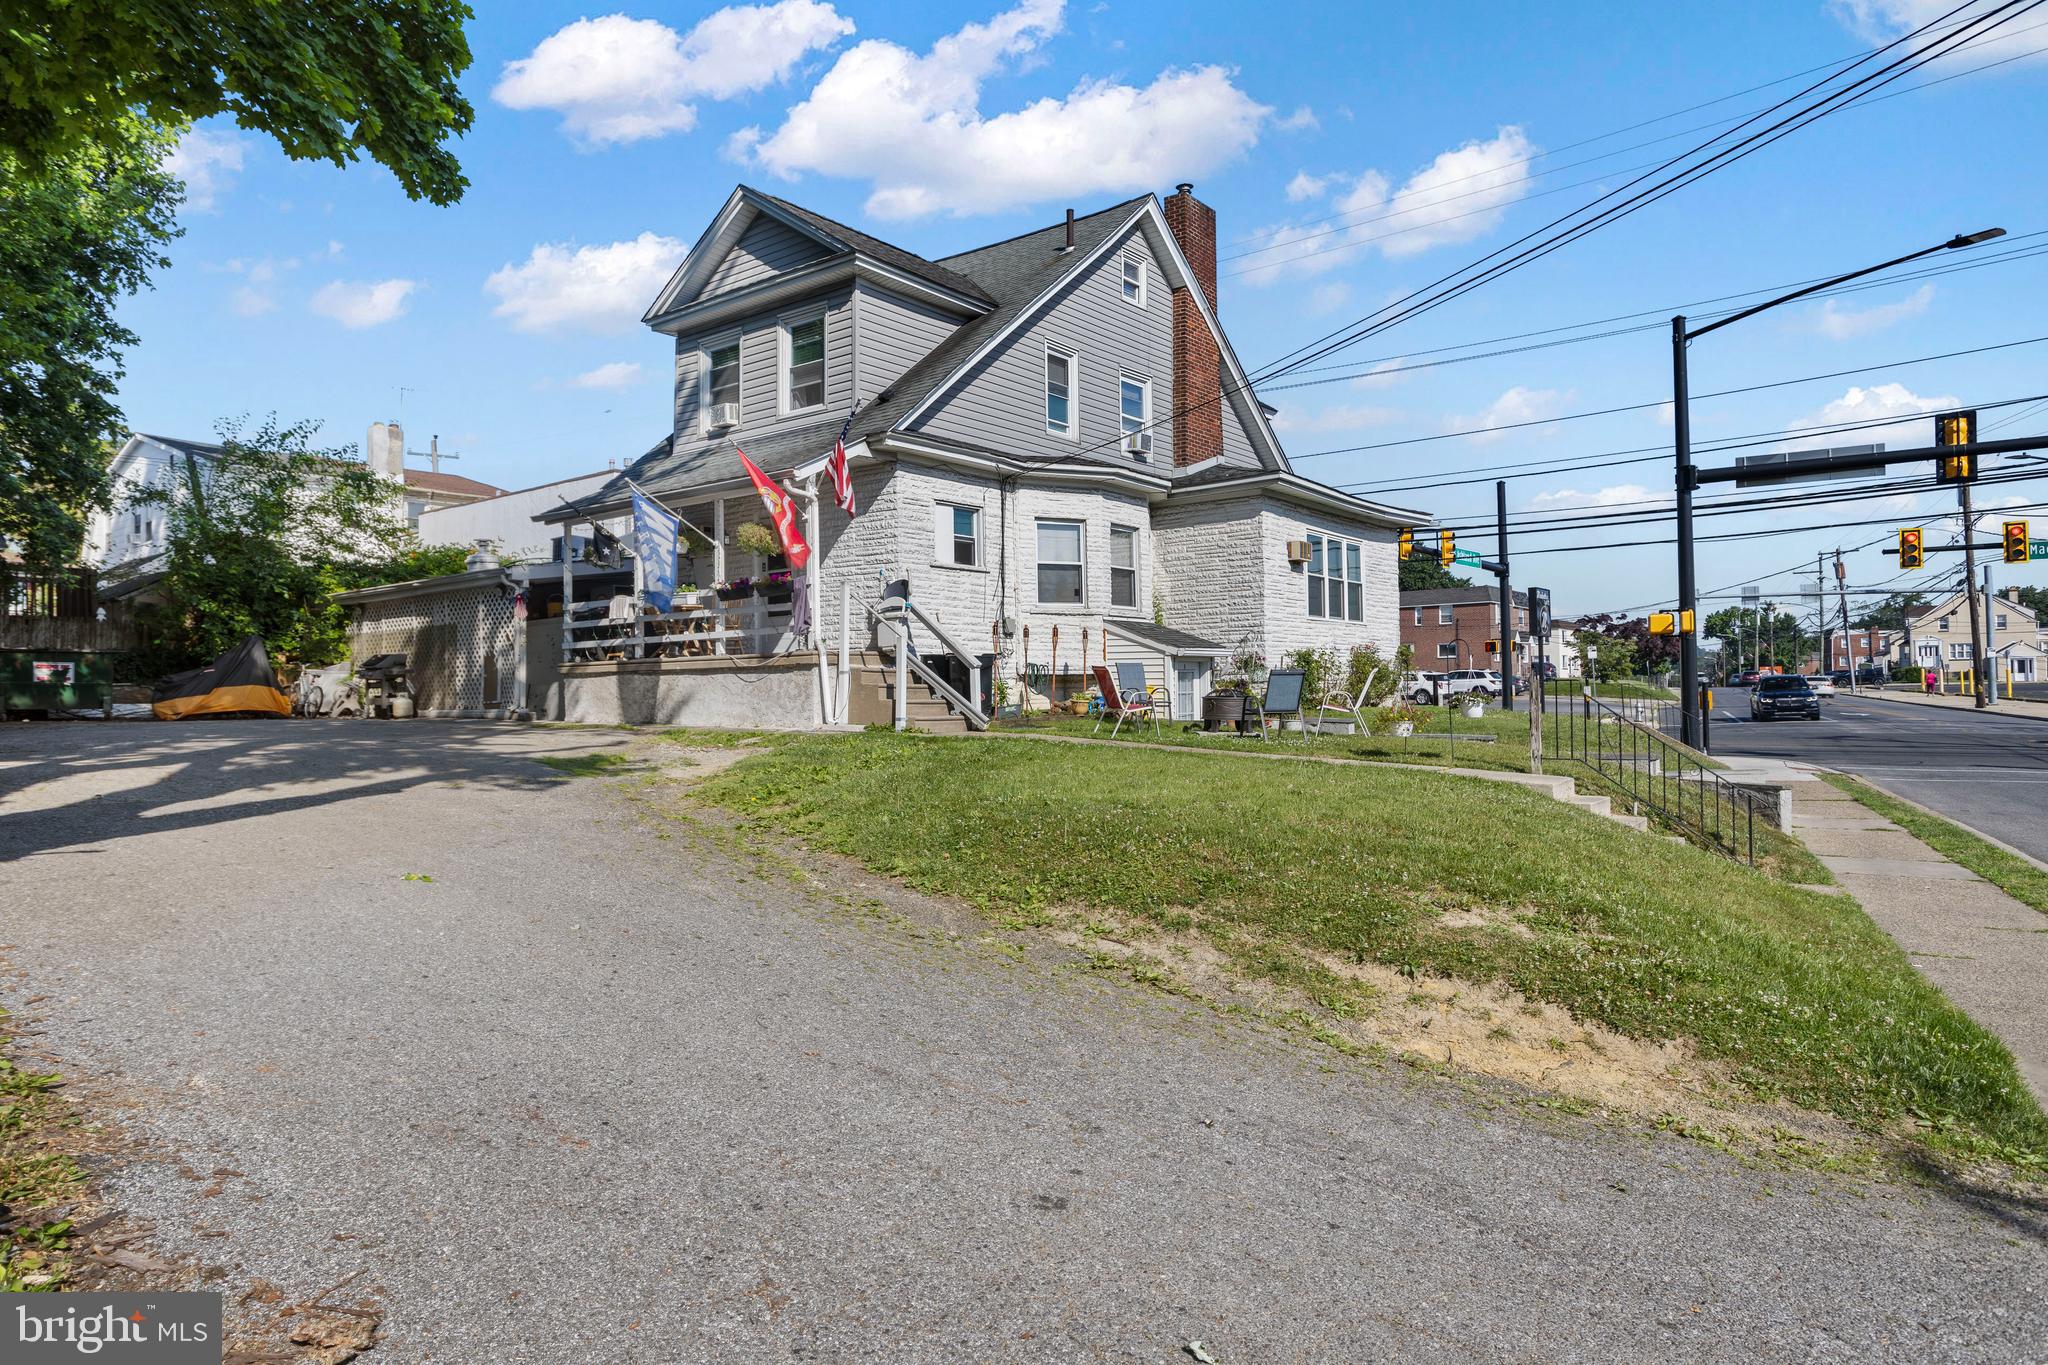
{"points": [[1958, 650], [1133, 283], [1447, 649], [1123, 566], [1446, 615], [803, 382], [1336, 587], [1059, 393], [1062, 569], [1134, 404], [958, 539], [722, 376]]}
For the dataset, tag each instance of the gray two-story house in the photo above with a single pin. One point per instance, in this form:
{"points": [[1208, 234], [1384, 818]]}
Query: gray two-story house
{"points": [[1051, 438]]}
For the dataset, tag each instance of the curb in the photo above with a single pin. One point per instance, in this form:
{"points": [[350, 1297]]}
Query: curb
{"points": [[2009, 706], [1998, 844]]}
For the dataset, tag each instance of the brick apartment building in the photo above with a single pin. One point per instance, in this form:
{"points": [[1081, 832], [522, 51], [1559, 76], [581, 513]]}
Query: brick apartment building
{"points": [[1857, 648], [1449, 627]]}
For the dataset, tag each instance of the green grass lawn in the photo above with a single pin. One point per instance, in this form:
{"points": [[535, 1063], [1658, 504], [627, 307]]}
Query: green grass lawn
{"points": [[1497, 740], [1618, 687], [1796, 992], [2016, 877]]}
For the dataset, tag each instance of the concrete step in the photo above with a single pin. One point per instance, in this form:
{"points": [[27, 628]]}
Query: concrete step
{"points": [[1599, 805], [1639, 823]]}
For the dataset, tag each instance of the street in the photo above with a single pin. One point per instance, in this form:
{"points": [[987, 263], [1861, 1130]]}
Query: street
{"points": [[1987, 770], [572, 1080]]}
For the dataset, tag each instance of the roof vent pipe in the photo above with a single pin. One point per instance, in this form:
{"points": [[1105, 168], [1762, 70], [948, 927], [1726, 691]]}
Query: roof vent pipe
{"points": [[1070, 231]]}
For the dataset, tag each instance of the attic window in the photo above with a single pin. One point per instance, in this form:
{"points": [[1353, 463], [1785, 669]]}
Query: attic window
{"points": [[1134, 281], [1059, 393]]}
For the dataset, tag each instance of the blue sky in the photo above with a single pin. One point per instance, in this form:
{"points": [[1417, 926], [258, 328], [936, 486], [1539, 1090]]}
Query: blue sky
{"points": [[1359, 151]]}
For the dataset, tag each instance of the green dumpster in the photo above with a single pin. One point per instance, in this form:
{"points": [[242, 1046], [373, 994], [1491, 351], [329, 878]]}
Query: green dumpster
{"points": [[55, 680]]}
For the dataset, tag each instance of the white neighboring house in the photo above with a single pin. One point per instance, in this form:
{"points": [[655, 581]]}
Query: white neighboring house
{"points": [[1053, 439], [127, 543], [511, 521], [1941, 639]]}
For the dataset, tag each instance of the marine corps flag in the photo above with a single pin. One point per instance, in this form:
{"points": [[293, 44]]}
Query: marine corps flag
{"points": [[782, 512]]}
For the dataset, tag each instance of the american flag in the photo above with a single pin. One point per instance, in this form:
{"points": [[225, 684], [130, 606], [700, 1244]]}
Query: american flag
{"points": [[842, 477]]}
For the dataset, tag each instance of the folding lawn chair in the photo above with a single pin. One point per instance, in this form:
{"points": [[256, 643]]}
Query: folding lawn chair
{"points": [[1130, 679], [1353, 707], [1282, 699], [1116, 703]]}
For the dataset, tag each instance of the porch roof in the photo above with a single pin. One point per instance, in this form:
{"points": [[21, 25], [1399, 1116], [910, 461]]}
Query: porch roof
{"points": [[700, 468], [1165, 639]]}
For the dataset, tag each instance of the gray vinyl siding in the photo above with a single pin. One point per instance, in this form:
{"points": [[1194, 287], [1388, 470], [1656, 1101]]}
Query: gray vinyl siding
{"points": [[764, 249], [893, 333], [1237, 444], [760, 359], [1001, 403]]}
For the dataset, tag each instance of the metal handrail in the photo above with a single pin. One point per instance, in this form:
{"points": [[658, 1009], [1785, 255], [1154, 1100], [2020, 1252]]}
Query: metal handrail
{"points": [[1647, 768], [974, 716]]}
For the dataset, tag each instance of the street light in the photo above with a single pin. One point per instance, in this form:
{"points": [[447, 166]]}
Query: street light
{"points": [[1681, 421]]}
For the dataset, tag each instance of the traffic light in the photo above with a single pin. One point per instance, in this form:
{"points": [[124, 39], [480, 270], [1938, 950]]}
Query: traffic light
{"points": [[1956, 429], [1910, 555], [1493, 646], [1407, 542], [1671, 623], [1446, 548], [2015, 542]]}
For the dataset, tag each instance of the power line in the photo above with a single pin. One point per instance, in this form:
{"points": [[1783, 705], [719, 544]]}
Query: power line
{"points": [[1516, 254], [1745, 535], [1660, 402]]}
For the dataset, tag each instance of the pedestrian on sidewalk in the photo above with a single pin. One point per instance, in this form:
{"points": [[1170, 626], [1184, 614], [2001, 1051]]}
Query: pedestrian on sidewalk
{"points": [[1927, 683]]}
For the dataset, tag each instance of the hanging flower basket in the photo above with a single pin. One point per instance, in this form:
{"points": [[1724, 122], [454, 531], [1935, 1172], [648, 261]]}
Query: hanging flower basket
{"points": [[736, 590]]}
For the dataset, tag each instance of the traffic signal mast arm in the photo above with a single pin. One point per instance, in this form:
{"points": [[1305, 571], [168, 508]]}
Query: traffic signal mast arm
{"points": [[1843, 464]]}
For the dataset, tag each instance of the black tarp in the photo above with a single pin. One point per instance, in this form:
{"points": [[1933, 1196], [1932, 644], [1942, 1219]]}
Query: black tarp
{"points": [[238, 683]]}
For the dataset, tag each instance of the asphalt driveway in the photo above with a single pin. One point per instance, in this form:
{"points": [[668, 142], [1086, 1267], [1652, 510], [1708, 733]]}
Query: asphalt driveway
{"points": [[604, 1089]]}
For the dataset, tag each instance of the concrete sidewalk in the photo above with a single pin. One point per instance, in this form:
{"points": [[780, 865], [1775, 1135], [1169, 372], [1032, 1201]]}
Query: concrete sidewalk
{"points": [[1985, 950]]}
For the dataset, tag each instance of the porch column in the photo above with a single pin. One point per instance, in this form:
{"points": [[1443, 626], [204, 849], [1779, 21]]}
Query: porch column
{"points": [[568, 587]]}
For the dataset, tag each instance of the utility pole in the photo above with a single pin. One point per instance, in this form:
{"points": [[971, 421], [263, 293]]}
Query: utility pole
{"points": [[1990, 640], [1507, 598], [1688, 603], [1970, 586], [1848, 638], [1821, 659]]}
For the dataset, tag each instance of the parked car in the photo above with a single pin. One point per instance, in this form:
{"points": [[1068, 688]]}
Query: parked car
{"points": [[1823, 686], [1784, 694], [1420, 688], [1871, 675], [1483, 681]]}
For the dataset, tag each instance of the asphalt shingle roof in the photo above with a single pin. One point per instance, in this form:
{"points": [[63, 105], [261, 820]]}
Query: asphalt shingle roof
{"points": [[874, 246], [1164, 637]]}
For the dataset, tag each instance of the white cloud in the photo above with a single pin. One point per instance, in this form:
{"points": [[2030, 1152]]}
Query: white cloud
{"points": [[1329, 296], [1516, 406], [365, 303], [616, 79], [1871, 404], [1837, 323], [256, 294], [1462, 194], [1338, 417], [602, 288], [1384, 375], [1617, 495], [1880, 21], [913, 126], [1306, 186], [207, 161], [619, 374], [1302, 119]]}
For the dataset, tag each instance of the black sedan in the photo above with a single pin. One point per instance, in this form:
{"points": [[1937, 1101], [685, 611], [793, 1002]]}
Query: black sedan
{"points": [[1783, 694]]}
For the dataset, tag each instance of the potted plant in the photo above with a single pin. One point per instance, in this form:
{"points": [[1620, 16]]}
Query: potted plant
{"points": [[757, 538], [1005, 708]]}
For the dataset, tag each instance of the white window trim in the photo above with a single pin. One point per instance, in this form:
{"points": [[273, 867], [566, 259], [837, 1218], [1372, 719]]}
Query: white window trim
{"points": [[1447, 649], [1446, 616], [980, 564], [1124, 377], [1137, 569], [1144, 280], [704, 350], [1073, 431], [1036, 562], [783, 324], [1328, 541]]}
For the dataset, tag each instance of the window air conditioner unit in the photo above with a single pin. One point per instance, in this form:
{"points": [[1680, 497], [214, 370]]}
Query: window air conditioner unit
{"points": [[724, 415], [1138, 444], [1297, 552]]}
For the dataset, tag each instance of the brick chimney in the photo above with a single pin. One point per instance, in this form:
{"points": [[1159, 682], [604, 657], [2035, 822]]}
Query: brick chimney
{"points": [[1197, 362], [384, 451]]}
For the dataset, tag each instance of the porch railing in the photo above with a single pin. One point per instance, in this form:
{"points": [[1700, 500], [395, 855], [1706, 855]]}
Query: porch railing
{"points": [[595, 632], [1632, 755], [891, 619]]}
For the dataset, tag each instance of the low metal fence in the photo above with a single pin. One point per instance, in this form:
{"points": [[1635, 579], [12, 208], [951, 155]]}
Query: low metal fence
{"points": [[1627, 747]]}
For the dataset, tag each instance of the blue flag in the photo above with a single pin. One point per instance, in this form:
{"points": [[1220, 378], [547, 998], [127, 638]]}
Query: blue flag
{"points": [[655, 530]]}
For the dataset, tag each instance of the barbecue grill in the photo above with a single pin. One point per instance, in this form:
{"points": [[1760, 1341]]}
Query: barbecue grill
{"points": [[387, 687]]}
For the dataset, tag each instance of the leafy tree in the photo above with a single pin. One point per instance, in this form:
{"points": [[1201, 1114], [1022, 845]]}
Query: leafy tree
{"points": [[77, 239], [263, 536], [328, 79], [1890, 614], [1420, 571], [2035, 600]]}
